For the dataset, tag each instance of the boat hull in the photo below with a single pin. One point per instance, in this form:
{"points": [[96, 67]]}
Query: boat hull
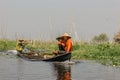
{"points": [[59, 58]]}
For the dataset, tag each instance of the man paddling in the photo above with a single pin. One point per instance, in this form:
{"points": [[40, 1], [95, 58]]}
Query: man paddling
{"points": [[65, 43], [20, 45]]}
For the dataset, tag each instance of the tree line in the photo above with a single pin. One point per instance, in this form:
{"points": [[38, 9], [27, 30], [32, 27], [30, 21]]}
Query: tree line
{"points": [[103, 37]]}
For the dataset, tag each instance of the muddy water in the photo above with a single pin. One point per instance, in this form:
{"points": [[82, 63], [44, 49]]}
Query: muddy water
{"points": [[12, 68]]}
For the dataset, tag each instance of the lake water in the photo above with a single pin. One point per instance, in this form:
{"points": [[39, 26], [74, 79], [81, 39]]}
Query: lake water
{"points": [[13, 68]]}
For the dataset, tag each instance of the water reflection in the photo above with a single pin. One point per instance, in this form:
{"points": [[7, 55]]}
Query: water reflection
{"points": [[62, 71]]}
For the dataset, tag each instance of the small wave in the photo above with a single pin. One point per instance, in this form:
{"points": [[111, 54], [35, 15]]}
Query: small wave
{"points": [[9, 52]]}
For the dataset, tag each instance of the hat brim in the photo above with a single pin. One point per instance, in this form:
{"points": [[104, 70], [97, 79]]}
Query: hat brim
{"points": [[59, 38], [21, 40]]}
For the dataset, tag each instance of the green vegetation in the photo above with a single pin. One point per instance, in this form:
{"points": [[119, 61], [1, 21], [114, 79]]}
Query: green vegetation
{"points": [[7, 44], [105, 53], [42, 45]]}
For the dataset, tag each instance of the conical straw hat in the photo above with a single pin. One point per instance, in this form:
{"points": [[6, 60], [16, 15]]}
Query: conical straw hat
{"points": [[21, 40], [66, 35]]}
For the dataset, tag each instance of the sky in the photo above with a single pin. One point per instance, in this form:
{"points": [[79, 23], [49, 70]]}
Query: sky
{"points": [[48, 19]]}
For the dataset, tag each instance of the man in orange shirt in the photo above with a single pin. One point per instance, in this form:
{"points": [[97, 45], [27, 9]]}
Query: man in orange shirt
{"points": [[66, 43]]}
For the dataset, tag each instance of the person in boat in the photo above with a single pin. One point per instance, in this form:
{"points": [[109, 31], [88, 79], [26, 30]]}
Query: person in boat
{"points": [[65, 44], [20, 45]]}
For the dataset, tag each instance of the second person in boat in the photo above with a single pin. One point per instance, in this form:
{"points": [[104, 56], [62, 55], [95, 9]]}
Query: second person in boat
{"points": [[21, 46]]}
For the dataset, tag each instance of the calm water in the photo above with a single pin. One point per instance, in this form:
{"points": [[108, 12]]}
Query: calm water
{"points": [[12, 68]]}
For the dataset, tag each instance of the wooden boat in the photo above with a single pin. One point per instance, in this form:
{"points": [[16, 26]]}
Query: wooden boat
{"points": [[40, 57]]}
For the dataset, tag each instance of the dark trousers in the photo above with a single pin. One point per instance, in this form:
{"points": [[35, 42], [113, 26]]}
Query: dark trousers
{"points": [[61, 48]]}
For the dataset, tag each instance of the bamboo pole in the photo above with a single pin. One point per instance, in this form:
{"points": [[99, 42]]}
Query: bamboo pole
{"points": [[75, 32], [51, 28]]}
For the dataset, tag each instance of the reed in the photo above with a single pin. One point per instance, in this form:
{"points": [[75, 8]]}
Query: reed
{"points": [[46, 45]]}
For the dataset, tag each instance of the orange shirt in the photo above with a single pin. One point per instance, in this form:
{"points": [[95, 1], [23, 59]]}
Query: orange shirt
{"points": [[68, 45]]}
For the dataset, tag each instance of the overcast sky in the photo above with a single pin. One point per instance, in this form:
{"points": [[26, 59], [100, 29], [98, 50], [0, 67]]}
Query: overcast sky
{"points": [[48, 19]]}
